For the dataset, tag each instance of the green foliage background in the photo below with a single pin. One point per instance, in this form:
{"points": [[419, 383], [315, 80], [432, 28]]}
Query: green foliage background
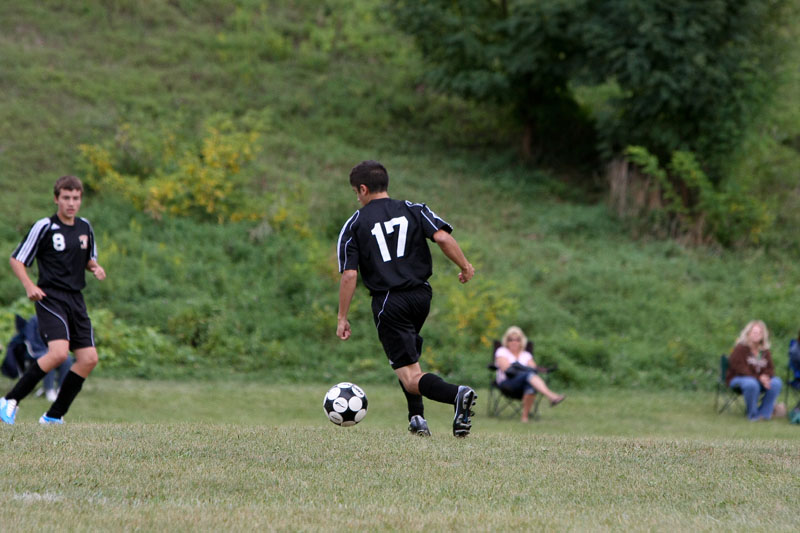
{"points": [[123, 93]]}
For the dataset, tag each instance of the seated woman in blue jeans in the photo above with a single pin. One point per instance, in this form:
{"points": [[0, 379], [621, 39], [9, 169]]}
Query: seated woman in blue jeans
{"points": [[751, 369], [516, 372]]}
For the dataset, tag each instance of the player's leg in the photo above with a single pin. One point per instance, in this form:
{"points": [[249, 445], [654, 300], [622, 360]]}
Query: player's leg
{"points": [[416, 407], [464, 396], [85, 361], [399, 316], [435, 388], [82, 344], [402, 345], [52, 315], [397, 321], [57, 352], [414, 401]]}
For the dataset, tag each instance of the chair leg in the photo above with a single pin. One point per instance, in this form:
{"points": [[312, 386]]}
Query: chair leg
{"points": [[536, 404], [491, 403]]}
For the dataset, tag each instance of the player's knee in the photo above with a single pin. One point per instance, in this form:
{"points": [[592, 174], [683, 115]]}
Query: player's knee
{"points": [[408, 382], [59, 355], [411, 382], [88, 359]]}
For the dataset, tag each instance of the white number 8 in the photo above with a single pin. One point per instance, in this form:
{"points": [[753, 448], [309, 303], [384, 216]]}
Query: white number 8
{"points": [[58, 242]]}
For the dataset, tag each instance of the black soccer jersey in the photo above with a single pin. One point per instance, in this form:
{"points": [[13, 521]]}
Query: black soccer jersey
{"points": [[386, 241], [62, 252]]}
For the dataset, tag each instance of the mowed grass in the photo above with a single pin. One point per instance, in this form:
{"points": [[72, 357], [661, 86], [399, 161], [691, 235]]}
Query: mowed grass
{"points": [[249, 456]]}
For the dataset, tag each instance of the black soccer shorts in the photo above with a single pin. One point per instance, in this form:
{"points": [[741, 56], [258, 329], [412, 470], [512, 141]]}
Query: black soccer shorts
{"points": [[63, 315], [399, 316]]}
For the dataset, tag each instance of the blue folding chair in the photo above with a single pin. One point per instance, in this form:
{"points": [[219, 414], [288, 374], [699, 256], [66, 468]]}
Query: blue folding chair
{"points": [[793, 375]]}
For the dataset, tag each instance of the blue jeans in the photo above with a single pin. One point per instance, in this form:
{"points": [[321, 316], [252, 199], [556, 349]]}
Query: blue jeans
{"points": [[518, 385], [752, 389]]}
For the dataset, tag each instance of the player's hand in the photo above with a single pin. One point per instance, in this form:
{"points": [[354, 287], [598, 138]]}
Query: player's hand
{"points": [[35, 293], [343, 329], [764, 379], [98, 272], [466, 273]]}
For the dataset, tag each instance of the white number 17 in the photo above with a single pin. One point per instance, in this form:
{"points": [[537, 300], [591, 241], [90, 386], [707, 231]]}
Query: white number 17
{"points": [[389, 226]]}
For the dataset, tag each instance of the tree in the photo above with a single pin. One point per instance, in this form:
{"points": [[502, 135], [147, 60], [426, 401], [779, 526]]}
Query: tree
{"points": [[521, 55], [692, 75]]}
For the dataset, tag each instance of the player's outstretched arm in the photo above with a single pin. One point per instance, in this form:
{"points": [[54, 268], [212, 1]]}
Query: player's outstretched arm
{"points": [[347, 288], [31, 289], [95, 268], [453, 251]]}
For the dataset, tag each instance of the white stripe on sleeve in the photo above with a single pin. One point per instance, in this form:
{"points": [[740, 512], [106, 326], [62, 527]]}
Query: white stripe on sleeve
{"points": [[341, 251], [26, 251]]}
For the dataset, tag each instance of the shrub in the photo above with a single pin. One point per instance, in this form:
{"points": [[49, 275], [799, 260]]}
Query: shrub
{"points": [[684, 203], [162, 174]]}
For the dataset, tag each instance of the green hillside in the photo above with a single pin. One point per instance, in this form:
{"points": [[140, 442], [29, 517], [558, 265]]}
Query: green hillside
{"points": [[160, 105]]}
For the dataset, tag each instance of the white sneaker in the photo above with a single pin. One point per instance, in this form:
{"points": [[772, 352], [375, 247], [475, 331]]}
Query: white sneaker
{"points": [[47, 421], [51, 395], [8, 411]]}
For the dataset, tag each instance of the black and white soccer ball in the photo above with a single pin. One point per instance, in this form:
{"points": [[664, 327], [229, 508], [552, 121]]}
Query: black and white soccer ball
{"points": [[345, 404]]}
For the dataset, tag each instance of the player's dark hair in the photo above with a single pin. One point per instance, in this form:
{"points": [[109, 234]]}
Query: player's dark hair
{"points": [[70, 183], [370, 173]]}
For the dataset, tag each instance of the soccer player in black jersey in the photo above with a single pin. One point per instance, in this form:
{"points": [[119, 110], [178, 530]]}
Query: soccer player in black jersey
{"points": [[387, 241], [64, 248]]}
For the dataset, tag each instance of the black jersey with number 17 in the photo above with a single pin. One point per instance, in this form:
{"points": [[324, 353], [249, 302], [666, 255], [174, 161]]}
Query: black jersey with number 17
{"points": [[386, 240]]}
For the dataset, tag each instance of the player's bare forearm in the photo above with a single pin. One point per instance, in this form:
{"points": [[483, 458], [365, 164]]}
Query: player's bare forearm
{"points": [[347, 288], [94, 267], [32, 290], [453, 251]]}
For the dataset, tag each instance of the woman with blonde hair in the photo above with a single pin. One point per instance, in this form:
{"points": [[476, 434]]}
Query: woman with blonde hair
{"points": [[752, 371], [516, 372]]}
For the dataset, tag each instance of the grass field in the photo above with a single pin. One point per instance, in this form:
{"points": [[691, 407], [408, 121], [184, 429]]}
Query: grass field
{"points": [[238, 456]]}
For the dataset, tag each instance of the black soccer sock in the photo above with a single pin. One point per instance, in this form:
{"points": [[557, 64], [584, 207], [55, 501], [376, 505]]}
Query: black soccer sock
{"points": [[27, 382], [433, 387], [414, 401], [69, 389]]}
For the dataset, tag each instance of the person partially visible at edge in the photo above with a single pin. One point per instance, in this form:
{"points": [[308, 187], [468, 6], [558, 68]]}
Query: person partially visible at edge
{"points": [[751, 369], [386, 240], [794, 354], [64, 248], [517, 373]]}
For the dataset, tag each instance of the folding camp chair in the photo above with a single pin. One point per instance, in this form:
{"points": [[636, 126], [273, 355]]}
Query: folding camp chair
{"points": [[792, 385], [501, 404], [726, 396]]}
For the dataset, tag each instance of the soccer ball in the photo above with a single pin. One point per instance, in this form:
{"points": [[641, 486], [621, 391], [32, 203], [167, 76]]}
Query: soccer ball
{"points": [[345, 404]]}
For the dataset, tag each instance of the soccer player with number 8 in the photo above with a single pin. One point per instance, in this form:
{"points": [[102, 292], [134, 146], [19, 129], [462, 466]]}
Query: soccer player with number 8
{"points": [[64, 248], [387, 241]]}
